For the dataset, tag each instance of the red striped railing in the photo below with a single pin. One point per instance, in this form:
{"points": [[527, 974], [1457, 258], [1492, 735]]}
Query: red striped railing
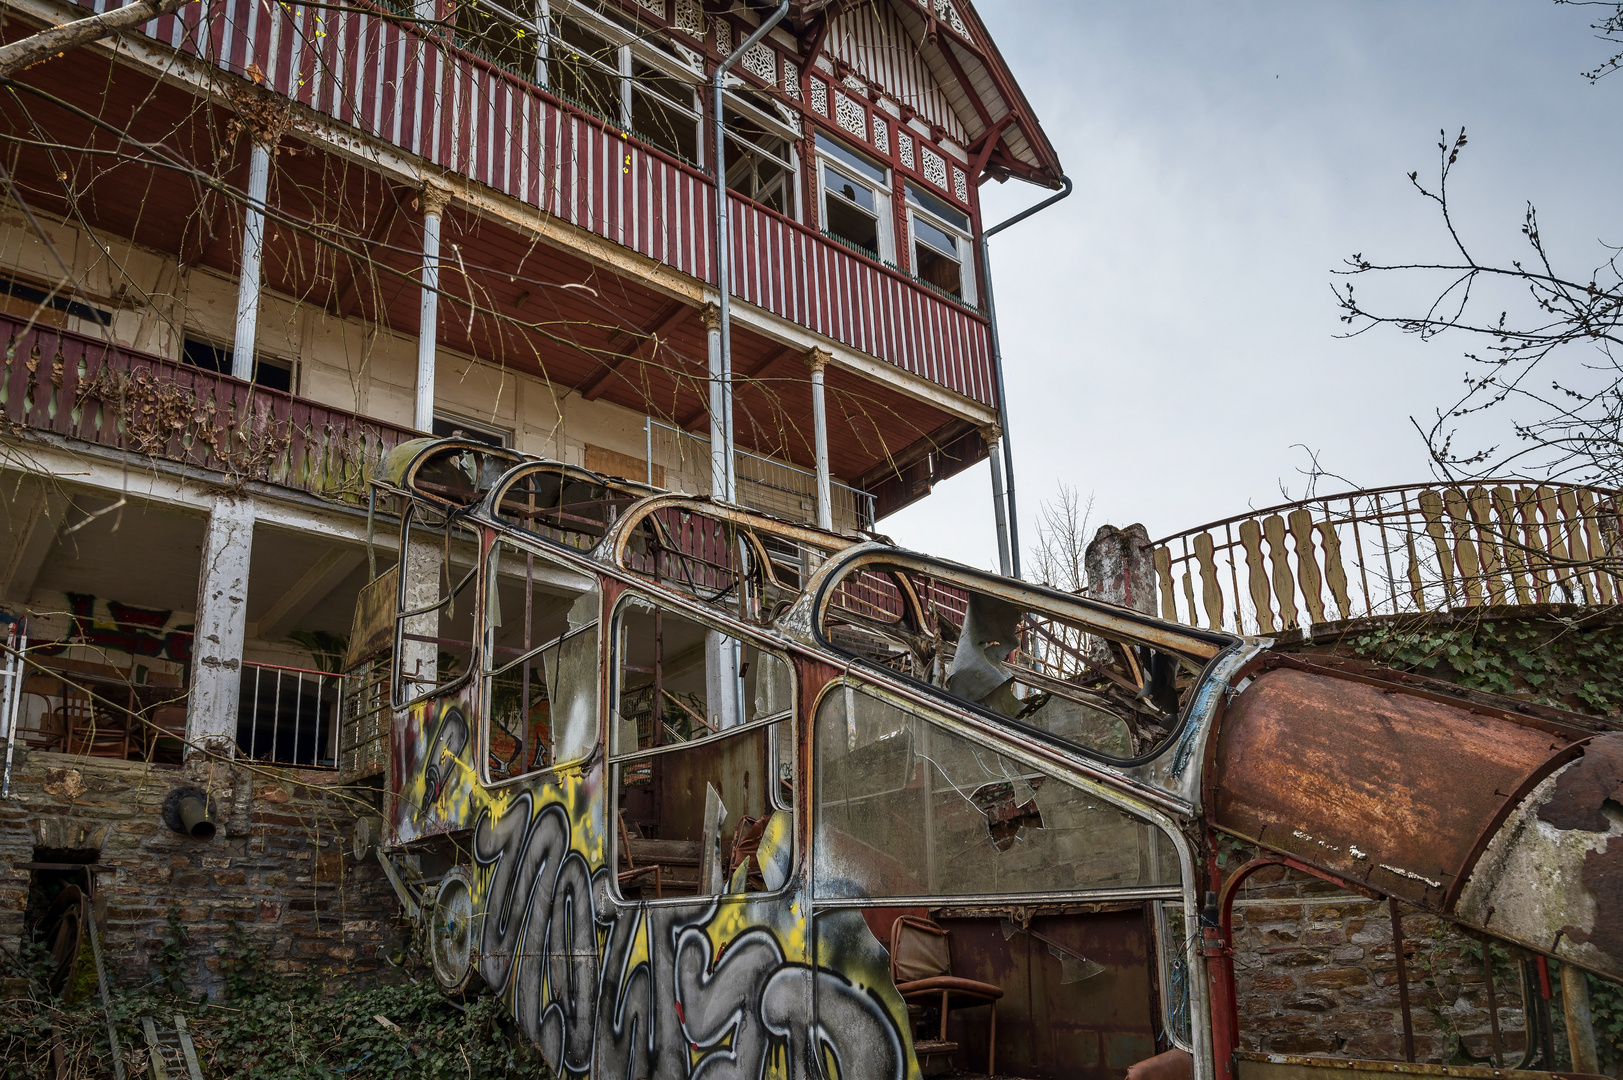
{"points": [[425, 95], [85, 388]]}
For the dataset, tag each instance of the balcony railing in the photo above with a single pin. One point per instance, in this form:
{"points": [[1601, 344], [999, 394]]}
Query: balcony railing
{"points": [[1395, 551], [426, 95], [289, 716], [678, 461], [85, 388]]}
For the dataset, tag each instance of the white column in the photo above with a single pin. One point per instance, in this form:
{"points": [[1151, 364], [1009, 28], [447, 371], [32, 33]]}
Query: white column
{"points": [[222, 620], [253, 252], [710, 315], [818, 360], [434, 197]]}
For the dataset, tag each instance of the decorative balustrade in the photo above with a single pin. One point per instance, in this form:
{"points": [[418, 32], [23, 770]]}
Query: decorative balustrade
{"points": [[86, 388], [1394, 551], [421, 92]]}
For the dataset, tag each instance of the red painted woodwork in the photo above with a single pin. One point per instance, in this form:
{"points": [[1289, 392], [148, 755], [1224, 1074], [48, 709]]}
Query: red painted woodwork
{"points": [[385, 79]]}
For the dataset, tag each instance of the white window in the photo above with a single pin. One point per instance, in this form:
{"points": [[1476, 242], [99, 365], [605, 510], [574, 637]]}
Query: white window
{"points": [[854, 193], [619, 71], [761, 158], [942, 253]]}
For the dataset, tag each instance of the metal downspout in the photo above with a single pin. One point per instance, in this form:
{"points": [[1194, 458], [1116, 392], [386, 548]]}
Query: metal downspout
{"points": [[724, 284], [997, 363]]}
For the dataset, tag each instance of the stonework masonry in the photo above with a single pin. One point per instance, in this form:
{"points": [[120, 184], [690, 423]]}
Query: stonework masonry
{"points": [[280, 867]]}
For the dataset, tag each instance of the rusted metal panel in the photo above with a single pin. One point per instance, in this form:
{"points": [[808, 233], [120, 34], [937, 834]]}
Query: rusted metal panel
{"points": [[1378, 784], [1253, 1066]]}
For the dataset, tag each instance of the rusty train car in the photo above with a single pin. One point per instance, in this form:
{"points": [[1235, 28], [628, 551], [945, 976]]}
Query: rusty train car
{"points": [[697, 792]]}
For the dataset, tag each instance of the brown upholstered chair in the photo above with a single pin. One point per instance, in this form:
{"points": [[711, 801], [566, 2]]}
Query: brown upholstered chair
{"points": [[921, 966]]}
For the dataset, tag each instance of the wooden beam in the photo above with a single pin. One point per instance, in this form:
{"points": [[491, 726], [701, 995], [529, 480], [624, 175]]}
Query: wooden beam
{"points": [[687, 422], [963, 81], [671, 316], [348, 295], [982, 148], [316, 585]]}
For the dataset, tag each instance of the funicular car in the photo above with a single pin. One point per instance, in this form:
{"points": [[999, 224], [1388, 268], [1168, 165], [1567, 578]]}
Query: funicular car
{"points": [[699, 792]]}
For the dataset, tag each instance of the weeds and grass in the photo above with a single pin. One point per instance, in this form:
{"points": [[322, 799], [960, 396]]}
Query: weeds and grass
{"points": [[267, 1027]]}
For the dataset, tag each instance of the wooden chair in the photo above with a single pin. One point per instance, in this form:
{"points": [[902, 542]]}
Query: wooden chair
{"points": [[633, 872], [921, 967], [93, 729]]}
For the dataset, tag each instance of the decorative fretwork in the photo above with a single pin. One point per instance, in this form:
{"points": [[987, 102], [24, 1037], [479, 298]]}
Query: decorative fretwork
{"points": [[762, 62], [904, 144], [724, 37], [791, 79], [958, 184], [656, 6], [819, 91], [935, 167], [945, 11], [689, 17], [881, 135], [850, 116]]}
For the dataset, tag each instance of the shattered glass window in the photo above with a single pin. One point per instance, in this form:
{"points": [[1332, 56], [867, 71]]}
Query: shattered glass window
{"points": [[907, 807], [460, 475], [1019, 658], [435, 623]]}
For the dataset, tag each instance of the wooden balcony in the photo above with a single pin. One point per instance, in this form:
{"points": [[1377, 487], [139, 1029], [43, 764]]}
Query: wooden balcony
{"points": [[85, 388], [425, 95]]}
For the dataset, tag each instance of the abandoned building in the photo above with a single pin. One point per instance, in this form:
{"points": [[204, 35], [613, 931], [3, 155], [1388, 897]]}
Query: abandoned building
{"points": [[253, 256]]}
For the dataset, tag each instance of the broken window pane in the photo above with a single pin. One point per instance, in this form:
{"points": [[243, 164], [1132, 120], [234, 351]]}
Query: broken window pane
{"points": [[541, 663], [1023, 658], [697, 819], [435, 624], [906, 807]]}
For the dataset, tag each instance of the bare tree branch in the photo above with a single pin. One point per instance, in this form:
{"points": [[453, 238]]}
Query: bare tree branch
{"points": [[56, 40]]}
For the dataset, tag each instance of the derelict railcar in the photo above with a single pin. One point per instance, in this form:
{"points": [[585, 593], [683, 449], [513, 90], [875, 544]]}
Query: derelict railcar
{"points": [[698, 792]]}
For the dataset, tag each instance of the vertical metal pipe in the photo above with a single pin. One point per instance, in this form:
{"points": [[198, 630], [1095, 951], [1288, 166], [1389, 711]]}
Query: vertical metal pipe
{"points": [[15, 664], [648, 451], [434, 197], [253, 252], [1493, 1002], [1004, 566], [724, 286], [1580, 1019], [524, 668], [253, 725], [997, 365], [818, 360], [720, 450], [1403, 979]]}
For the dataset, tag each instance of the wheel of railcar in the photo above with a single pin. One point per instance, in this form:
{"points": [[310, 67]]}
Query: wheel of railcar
{"points": [[452, 940]]}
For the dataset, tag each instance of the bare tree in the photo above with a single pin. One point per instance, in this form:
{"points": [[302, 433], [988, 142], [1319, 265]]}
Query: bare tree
{"points": [[1547, 361], [56, 40], [1610, 29], [1058, 558]]}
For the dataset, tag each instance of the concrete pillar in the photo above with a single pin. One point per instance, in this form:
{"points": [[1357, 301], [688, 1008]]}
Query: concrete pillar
{"points": [[1121, 568], [818, 360], [253, 254], [1580, 1019], [991, 435], [434, 197], [723, 689], [222, 620], [710, 315]]}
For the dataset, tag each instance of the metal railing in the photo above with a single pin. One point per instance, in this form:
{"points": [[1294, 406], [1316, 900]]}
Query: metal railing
{"points": [[1394, 551], [289, 716], [680, 461]]}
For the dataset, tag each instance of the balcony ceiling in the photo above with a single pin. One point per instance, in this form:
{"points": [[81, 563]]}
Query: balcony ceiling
{"points": [[543, 311]]}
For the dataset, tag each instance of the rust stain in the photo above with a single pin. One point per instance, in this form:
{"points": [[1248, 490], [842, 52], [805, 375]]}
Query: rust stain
{"points": [[1372, 781], [1582, 795]]}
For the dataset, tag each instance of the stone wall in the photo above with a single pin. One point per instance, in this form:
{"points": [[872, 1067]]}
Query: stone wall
{"points": [[280, 867], [1316, 973]]}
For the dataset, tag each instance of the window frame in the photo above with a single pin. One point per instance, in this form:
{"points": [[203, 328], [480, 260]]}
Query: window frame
{"points": [[918, 209], [398, 700], [487, 673], [1042, 599], [735, 101], [612, 761], [834, 153], [940, 718]]}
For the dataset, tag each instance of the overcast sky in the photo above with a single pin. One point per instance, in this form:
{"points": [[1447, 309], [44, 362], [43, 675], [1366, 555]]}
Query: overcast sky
{"points": [[1169, 331]]}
